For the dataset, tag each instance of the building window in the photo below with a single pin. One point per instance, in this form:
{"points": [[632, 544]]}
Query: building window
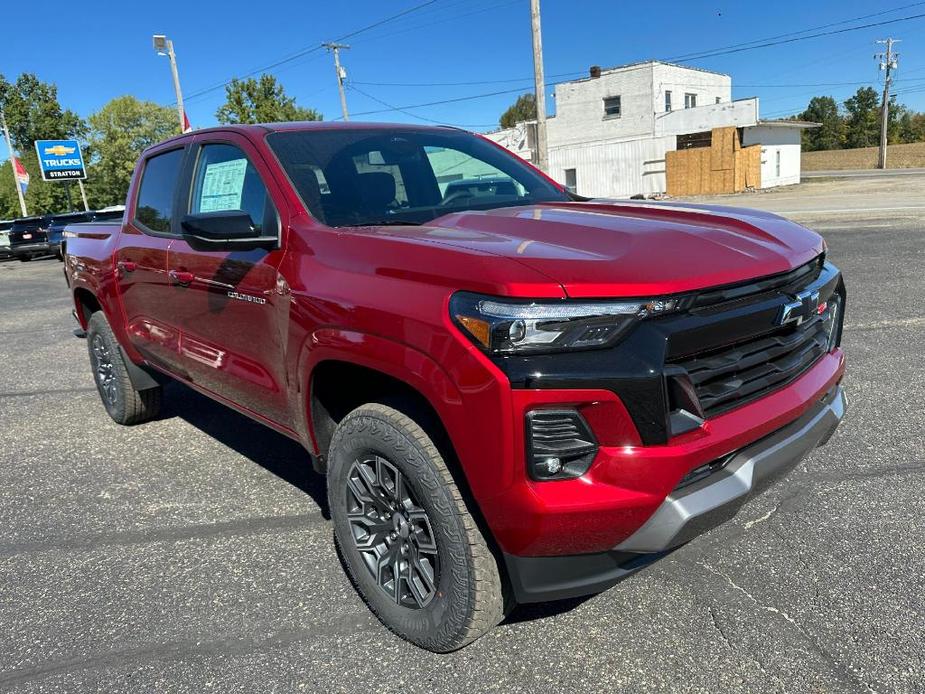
{"points": [[690, 100], [717, 99], [612, 107], [777, 163], [571, 180], [667, 100]]}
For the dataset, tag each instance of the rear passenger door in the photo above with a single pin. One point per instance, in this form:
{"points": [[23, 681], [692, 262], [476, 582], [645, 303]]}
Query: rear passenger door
{"points": [[231, 308], [141, 256]]}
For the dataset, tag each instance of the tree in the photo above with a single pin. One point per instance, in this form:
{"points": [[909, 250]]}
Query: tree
{"points": [[522, 109], [862, 123], [260, 101], [911, 127], [831, 134], [33, 113], [119, 132], [9, 203]]}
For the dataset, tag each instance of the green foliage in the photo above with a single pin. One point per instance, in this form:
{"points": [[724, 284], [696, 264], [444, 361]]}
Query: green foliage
{"points": [[33, 112], [522, 109], [119, 132], [9, 203], [858, 125], [261, 101], [824, 110], [862, 120], [910, 127]]}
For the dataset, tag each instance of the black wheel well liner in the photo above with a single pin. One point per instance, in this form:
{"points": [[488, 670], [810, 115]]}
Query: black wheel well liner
{"points": [[339, 387], [86, 304]]}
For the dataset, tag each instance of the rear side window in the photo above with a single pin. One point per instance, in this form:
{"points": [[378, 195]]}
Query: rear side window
{"points": [[155, 197]]}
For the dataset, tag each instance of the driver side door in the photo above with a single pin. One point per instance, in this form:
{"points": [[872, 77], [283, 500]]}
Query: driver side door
{"points": [[232, 307]]}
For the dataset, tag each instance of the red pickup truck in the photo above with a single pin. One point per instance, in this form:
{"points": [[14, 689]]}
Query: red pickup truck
{"points": [[517, 394]]}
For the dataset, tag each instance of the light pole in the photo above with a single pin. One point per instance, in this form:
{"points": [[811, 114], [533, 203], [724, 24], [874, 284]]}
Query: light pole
{"points": [[164, 46]]}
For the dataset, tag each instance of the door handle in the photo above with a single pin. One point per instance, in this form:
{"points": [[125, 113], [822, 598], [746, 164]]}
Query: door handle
{"points": [[181, 277], [127, 265]]}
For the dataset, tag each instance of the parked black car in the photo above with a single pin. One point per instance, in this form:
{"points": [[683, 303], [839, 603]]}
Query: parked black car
{"points": [[44, 235], [29, 237]]}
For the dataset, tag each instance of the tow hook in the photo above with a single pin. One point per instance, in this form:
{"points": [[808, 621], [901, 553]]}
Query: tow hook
{"points": [[78, 331]]}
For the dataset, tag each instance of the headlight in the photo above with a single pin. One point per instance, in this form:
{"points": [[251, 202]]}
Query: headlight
{"points": [[509, 326], [832, 319]]}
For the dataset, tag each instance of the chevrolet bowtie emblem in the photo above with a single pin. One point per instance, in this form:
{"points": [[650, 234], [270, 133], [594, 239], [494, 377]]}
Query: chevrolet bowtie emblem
{"points": [[59, 150], [804, 305]]}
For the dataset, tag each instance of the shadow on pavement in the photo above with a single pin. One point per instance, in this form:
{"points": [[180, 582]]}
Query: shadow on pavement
{"points": [[274, 452]]}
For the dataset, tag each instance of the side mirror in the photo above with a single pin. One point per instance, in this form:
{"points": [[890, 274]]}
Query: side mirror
{"points": [[227, 230]]}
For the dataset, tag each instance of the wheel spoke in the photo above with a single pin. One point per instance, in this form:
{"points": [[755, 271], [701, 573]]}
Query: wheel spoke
{"points": [[392, 533]]}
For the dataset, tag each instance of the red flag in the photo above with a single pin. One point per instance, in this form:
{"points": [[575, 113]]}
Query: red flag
{"points": [[22, 176], [186, 126]]}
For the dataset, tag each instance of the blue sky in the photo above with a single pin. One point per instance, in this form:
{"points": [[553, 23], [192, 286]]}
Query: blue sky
{"points": [[449, 41]]}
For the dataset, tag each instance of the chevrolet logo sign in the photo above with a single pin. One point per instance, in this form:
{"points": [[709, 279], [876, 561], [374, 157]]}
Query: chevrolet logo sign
{"points": [[804, 306], [59, 150]]}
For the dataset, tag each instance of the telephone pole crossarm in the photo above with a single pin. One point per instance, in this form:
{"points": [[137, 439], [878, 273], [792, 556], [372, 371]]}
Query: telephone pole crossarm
{"points": [[341, 73]]}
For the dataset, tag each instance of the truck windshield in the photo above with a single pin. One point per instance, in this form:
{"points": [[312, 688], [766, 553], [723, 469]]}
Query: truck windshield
{"points": [[365, 177]]}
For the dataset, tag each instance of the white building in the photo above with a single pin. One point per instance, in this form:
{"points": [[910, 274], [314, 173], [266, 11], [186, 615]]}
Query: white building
{"points": [[612, 129]]}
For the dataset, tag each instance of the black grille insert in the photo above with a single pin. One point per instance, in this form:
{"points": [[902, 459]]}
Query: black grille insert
{"points": [[727, 377]]}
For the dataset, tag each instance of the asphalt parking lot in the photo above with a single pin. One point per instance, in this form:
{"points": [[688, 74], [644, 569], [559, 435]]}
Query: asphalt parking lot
{"points": [[193, 553]]}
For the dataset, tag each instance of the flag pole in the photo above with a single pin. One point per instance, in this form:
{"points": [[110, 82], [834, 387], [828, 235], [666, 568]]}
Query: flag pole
{"points": [[9, 146]]}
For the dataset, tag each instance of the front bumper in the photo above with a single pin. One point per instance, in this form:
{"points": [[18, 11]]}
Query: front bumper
{"points": [[701, 506], [684, 514]]}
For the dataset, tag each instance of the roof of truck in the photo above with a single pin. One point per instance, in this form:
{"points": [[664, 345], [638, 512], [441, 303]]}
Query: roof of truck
{"points": [[259, 129]]}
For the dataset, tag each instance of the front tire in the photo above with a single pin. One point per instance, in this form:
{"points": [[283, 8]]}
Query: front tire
{"points": [[413, 550], [123, 403]]}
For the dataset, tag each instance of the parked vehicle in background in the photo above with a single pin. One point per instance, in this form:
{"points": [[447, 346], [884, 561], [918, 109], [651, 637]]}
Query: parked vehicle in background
{"points": [[56, 230], [5, 225], [494, 187], [29, 237], [517, 395]]}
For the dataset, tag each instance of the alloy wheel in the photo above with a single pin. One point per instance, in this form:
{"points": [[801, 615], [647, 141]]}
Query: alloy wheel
{"points": [[392, 532], [103, 370]]}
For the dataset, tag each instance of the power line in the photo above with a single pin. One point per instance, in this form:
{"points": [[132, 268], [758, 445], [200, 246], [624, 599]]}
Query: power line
{"points": [[718, 52], [390, 107], [313, 49], [808, 29]]}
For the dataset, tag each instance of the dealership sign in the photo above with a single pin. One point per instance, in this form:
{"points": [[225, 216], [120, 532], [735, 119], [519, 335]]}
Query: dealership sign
{"points": [[60, 160]]}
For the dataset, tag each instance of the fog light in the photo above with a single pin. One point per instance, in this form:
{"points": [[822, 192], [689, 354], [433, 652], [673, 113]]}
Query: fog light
{"points": [[552, 466], [559, 444]]}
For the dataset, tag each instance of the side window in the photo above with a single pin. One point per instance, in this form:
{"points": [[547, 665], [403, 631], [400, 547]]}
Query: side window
{"points": [[155, 196], [226, 180]]}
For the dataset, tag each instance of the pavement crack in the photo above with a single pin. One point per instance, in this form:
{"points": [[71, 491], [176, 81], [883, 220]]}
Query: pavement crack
{"points": [[761, 519], [843, 671]]}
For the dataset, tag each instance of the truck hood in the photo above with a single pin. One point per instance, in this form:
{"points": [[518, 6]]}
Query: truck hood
{"points": [[600, 249]]}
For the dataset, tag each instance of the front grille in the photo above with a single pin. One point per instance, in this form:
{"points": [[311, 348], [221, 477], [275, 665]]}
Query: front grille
{"points": [[727, 377]]}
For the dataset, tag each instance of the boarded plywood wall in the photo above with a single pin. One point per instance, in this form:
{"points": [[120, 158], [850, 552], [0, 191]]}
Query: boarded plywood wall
{"points": [[724, 167]]}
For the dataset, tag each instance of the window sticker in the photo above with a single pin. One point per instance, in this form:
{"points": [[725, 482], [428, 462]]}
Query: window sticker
{"points": [[222, 185]]}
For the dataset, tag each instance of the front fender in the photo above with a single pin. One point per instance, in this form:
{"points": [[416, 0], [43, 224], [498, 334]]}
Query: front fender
{"points": [[481, 457]]}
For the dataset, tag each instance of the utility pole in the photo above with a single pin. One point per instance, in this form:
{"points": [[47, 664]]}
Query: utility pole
{"points": [[889, 61], [341, 74], [164, 46], [539, 82], [9, 147]]}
